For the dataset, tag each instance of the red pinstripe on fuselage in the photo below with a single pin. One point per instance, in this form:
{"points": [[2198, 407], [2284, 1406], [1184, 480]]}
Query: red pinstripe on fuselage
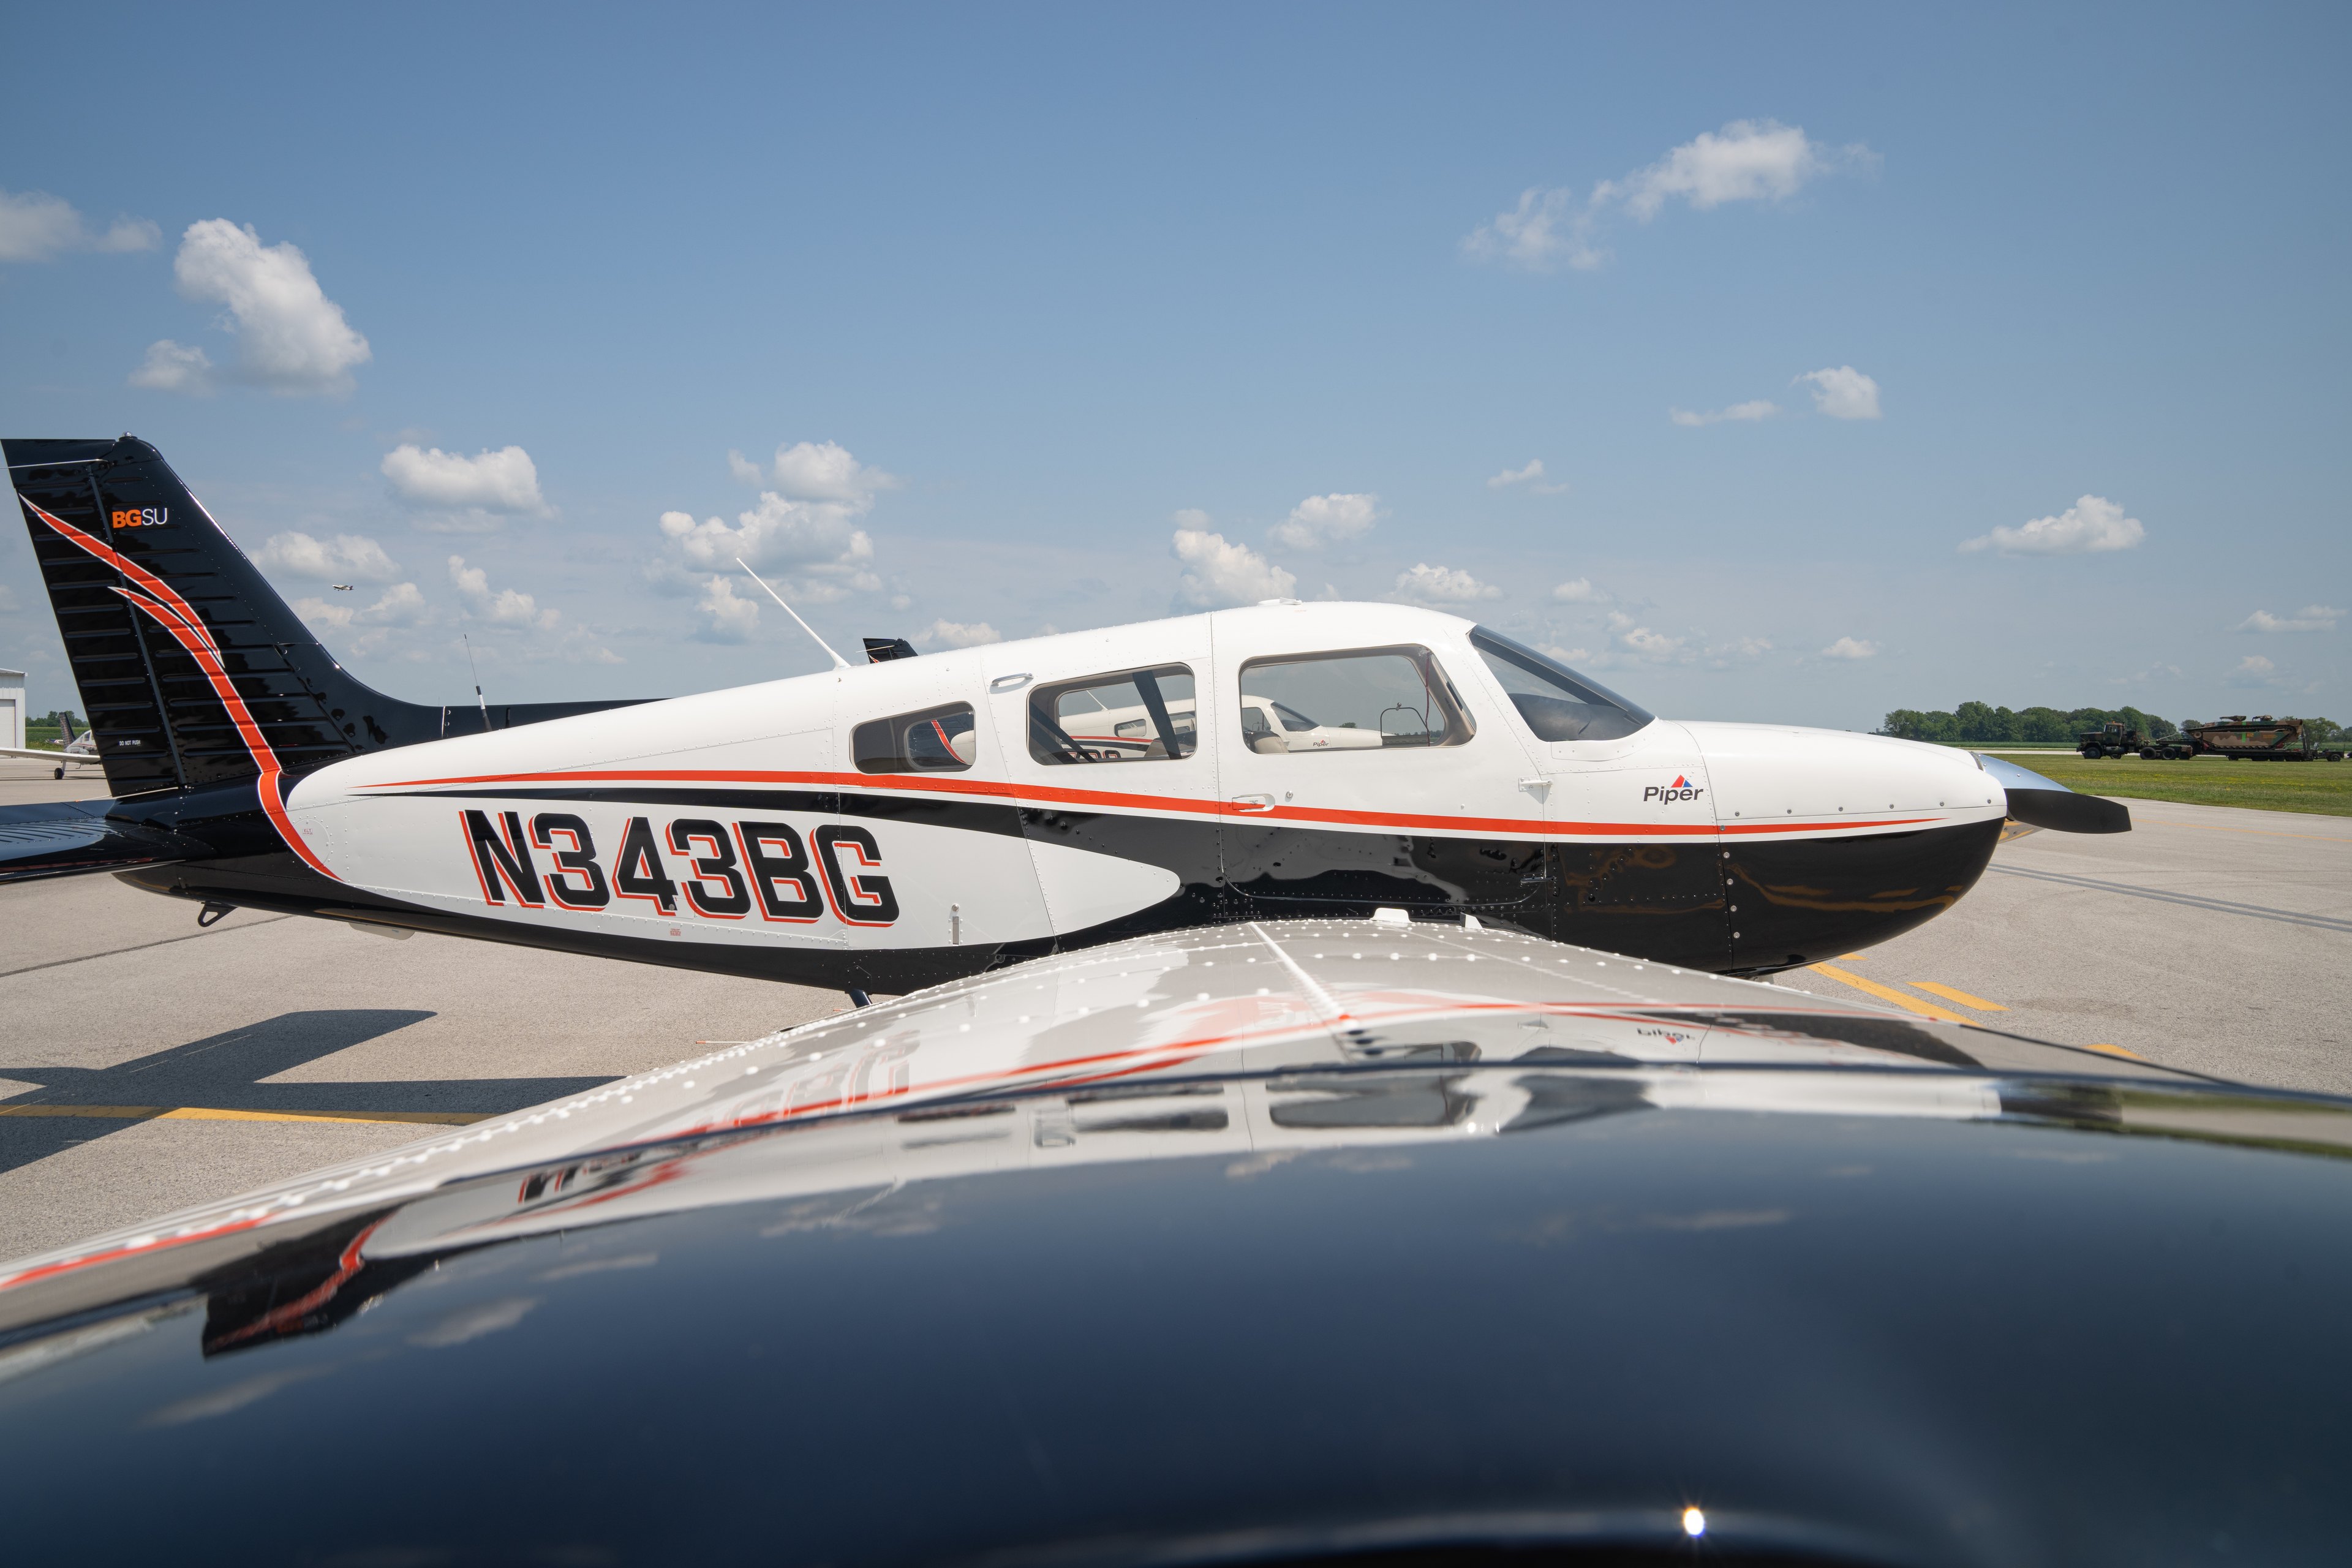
{"points": [[1109, 800]]}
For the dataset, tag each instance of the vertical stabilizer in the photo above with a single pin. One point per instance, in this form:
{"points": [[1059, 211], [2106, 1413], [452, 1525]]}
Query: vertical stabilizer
{"points": [[193, 671]]}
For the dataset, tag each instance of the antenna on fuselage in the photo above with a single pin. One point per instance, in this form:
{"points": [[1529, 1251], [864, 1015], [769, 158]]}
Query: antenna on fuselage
{"points": [[839, 662], [477, 668]]}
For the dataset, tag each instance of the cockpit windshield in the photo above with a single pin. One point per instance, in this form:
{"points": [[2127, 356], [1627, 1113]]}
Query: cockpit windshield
{"points": [[1558, 703]]}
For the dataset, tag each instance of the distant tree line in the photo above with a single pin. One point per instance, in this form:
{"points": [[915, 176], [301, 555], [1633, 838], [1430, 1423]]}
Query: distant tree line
{"points": [[1978, 721]]}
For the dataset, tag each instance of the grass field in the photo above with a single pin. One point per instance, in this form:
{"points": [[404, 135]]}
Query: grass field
{"points": [[2325, 787]]}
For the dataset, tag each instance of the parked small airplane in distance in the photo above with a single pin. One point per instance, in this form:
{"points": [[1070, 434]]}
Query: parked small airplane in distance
{"points": [[78, 750], [920, 818]]}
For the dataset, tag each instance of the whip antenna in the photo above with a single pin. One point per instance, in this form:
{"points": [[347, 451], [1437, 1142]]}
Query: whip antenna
{"points": [[839, 662], [477, 681]]}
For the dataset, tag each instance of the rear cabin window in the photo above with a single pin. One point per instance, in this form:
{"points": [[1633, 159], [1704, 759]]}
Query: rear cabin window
{"points": [[935, 741], [1362, 699], [1558, 703], [1133, 716]]}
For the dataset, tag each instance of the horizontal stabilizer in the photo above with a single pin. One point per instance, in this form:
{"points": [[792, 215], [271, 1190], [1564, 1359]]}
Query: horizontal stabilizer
{"points": [[67, 838]]}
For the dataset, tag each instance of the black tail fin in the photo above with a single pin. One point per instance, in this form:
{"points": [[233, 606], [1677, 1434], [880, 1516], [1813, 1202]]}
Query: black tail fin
{"points": [[190, 666]]}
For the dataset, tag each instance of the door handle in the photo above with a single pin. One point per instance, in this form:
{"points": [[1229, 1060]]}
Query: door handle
{"points": [[1540, 787], [1254, 802]]}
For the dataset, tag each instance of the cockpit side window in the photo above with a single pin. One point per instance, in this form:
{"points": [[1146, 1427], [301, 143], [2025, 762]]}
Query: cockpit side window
{"points": [[1354, 700], [1130, 716], [935, 741], [1557, 704]]}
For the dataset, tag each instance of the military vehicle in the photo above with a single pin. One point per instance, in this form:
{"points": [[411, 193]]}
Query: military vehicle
{"points": [[2116, 739], [2261, 738]]}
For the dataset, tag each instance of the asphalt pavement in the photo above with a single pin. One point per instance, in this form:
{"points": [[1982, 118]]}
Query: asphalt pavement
{"points": [[146, 1065]]}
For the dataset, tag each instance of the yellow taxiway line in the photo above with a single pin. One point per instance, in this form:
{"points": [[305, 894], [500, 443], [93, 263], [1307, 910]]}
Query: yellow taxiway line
{"points": [[1954, 994], [1887, 993], [209, 1113]]}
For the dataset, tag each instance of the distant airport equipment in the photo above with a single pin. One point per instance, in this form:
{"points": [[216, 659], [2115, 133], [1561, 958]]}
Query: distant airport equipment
{"points": [[12, 710]]}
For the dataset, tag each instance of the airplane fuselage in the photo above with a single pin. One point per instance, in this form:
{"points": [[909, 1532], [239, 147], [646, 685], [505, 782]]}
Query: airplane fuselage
{"points": [[899, 824]]}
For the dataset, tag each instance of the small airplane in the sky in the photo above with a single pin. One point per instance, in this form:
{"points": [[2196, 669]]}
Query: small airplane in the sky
{"points": [[915, 819], [78, 751]]}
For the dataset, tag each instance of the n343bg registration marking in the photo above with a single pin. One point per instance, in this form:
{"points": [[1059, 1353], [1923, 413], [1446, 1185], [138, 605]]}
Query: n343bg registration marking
{"points": [[719, 871]]}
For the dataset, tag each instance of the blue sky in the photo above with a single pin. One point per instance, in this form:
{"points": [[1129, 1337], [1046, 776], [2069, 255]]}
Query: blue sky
{"points": [[1030, 318]]}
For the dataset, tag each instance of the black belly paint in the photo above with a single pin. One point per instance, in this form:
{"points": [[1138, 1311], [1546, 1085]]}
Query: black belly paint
{"points": [[1725, 906]]}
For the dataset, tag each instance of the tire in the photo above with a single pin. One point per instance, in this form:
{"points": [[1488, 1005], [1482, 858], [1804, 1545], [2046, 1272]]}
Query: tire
{"points": [[2149, 755], [2090, 753]]}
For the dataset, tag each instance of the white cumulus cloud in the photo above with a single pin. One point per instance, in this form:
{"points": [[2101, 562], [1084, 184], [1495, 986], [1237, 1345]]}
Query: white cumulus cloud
{"points": [[2091, 524], [727, 616], [1549, 228], [1217, 574], [1842, 392], [1531, 478], [1747, 161], [1761, 408], [1851, 648], [810, 470], [290, 338], [2310, 618], [346, 558], [507, 607], [38, 226], [492, 484], [366, 629], [1427, 585], [1319, 521], [1577, 591], [2253, 670], [175, 367], [806, 525], [1655, 647], [1738, 650], [1645, 643], [956, 634]]}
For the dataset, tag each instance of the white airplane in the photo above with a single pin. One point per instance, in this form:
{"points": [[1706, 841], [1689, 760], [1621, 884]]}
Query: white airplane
{"points": [[79, 751], [922, 818]]}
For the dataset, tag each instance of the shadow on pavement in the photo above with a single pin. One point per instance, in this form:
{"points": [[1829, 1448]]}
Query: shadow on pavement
{"points": [[224, 1071]]}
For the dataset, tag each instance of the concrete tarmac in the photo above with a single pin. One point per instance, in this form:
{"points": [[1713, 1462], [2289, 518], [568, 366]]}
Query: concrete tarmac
{"points": [[2207, 938], [145, 1065], [321, 1041]]}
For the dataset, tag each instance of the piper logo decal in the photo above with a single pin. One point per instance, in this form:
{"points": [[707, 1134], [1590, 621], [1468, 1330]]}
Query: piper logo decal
{"points": [[1681, 789]]}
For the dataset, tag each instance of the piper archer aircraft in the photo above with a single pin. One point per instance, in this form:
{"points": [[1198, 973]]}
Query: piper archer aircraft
{"points": [[922, 819]]}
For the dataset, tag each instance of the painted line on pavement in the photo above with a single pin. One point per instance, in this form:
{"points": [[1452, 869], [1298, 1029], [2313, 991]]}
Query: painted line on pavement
{"points": [[2189, 900], [213, 1113], [2258, 832], [1888, 994], [144, 946], [1954, 994]]}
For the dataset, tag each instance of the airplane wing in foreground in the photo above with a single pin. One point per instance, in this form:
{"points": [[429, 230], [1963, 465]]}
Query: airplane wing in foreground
{"points": [[1301, 1242]]}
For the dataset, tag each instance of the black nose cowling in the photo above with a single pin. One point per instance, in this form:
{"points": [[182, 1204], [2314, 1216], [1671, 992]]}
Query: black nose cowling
{"points": [[1803, 900]]}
